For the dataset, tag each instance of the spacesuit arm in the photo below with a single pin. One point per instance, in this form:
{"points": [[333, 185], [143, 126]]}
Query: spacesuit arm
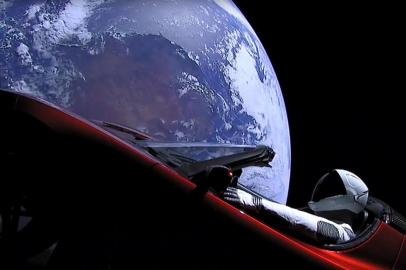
{"points": [[315, 227]]}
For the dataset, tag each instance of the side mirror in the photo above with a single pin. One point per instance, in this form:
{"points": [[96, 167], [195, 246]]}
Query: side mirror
{"points": [[217, 178]]}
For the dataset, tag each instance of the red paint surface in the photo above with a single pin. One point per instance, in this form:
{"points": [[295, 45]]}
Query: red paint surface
{"points": [[401, 260]]}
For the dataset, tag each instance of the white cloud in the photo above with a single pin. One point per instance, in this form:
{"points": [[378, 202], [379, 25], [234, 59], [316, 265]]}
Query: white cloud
{"points": [[24, 54], [33, 10], [231, 9], [70, 23], [262, 100]]}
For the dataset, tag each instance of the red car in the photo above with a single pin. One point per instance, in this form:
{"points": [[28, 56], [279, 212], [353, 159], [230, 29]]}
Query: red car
{"points": [[103, 195]]}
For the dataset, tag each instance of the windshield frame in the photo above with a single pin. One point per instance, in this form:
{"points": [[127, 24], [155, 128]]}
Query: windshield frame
{"points": [[252, 156]]}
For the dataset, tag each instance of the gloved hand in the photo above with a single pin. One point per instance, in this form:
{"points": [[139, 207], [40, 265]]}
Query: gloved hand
{"points": [[243, 199]]}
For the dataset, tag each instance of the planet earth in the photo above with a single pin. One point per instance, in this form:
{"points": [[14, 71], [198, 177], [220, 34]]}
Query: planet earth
{"points": [[182, 71]]}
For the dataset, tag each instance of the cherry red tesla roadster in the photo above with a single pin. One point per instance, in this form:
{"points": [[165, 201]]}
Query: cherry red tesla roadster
{"points": [[80, 194]]}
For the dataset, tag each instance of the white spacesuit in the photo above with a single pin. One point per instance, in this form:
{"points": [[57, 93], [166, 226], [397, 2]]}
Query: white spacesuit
{"points": [[348, 199]]}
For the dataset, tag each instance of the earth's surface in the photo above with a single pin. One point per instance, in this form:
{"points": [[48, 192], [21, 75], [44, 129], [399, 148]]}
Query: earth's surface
{"points": [[189, 71]]}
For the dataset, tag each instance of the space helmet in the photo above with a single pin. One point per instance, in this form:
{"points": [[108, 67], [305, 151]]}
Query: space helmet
{"points": [[340, 192]]}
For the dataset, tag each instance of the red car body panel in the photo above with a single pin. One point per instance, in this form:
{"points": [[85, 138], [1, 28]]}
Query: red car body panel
{"points": [[385, 248], [401, 260]]}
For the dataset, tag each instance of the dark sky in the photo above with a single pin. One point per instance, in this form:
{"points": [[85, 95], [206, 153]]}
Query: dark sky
{"points": [[341, 69]]}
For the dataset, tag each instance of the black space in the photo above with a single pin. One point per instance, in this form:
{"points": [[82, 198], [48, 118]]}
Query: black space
{"points": [[341, 70]]}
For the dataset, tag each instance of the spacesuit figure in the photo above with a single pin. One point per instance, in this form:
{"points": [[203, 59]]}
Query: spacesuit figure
{"points": [[338, 201]]}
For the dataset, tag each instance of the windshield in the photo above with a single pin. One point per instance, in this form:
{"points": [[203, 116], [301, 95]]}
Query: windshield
{"points": [[193, 159], [196, 152], [252, 162]]}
